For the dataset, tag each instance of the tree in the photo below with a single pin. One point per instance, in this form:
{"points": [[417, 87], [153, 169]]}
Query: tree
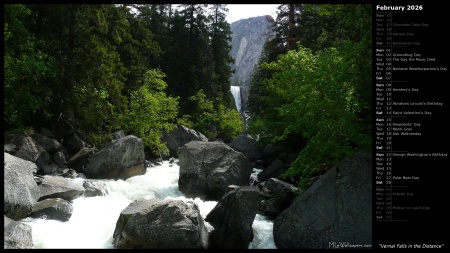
{"points": [[139, 50], [75, 67], [220, 34], [152, 112], [287, 24], [318, 93], [228, 121], [86, 88], [26, 66]]}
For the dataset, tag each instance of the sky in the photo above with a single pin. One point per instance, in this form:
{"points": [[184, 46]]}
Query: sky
{"points": [[243, 11]]}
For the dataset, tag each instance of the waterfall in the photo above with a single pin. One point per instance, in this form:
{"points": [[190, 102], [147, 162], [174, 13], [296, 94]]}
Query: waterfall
{"points": [[236, 91]]}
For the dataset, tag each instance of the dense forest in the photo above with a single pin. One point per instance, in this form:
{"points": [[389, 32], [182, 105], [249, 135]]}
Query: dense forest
{"points": [[145, 68]]}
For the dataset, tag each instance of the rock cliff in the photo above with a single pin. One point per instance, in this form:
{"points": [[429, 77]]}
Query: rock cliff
{"points": [[248, 39]]}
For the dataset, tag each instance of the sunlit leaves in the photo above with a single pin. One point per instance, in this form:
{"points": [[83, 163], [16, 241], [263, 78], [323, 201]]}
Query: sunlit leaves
{"points": [[228, 122], [151, 112], [317, 90]]}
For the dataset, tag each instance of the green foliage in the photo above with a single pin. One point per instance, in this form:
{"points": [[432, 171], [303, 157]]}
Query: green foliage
{"points": [[83, 64], [220, 34], [319, 90], [139, 50], [203, 113], [62, 64], [151, 112], [25, 67], [185, 120], [98, 140], [228, 122]]}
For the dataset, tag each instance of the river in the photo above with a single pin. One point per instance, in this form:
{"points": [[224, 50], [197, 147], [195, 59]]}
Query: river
{"points": [[94, 219]]}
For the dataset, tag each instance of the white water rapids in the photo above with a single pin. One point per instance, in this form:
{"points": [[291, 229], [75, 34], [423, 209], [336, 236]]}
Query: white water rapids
{"points": [[94, 219]]}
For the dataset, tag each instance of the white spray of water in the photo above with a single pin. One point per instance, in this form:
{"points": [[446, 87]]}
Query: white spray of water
{"points": [[94, 219], [236, 91]]}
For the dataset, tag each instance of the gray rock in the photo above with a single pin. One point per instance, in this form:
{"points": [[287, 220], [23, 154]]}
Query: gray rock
{"points": [[120, 159], [247, 146], [48, 144], [51, 169], [279, 196], [273, 171], [60, 187], [9, 148], [94, 188], [52, 209], [208, 168], [20, 190], [160, 224], [81, 159], [336, 208], [179, 136], [232, 218], [28, 149], [17, 235], [60, 159]]}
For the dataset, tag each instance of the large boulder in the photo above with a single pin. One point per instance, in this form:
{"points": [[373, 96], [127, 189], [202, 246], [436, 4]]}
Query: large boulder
{"points": [[208, 168], [48, 144], [273, 171], [17, 235], [121, 159], [279, 196], [336, 208], [247, 146], [73, 143], [52, 209], [180, 136], [81, 159], [60, 159], [27, 148], [160, 224], [21, 192], [232, 218], [51, 169], [60, 187]]}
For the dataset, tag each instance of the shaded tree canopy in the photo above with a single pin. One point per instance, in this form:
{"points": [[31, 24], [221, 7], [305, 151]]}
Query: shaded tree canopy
{"points": [[83, 65], [320, 90]]}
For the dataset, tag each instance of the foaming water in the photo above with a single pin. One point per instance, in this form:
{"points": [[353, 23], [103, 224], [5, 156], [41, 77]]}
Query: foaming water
{"points": [[94, 219], [236, 91], [262, 233]]}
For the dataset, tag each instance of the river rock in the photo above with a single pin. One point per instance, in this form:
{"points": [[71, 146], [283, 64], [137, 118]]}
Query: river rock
{"points": [[21, 192], [160, 224], [336, 208], [208, 168], [120, 159]]}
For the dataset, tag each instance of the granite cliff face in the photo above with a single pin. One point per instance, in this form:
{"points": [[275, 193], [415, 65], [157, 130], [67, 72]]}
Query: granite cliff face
{"points": [[248, 38]]}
